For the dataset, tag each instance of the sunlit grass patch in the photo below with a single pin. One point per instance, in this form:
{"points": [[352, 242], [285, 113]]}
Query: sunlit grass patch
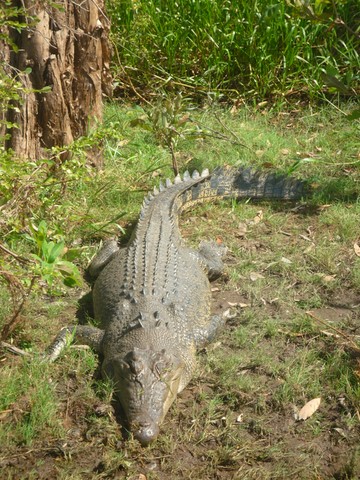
{"points": [[28, 398]]}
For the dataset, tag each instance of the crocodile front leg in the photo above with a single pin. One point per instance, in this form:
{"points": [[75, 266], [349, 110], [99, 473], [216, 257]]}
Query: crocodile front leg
{"points": [[102, 258], [211, 254], [80, 334]]}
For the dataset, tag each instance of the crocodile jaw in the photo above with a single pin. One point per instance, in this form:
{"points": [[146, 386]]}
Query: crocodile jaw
{"points": [[146, 384]]}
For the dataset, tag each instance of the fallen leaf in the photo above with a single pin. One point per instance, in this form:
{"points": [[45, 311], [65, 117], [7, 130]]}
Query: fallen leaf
{"points": [[308, 409], [285, 260], [287, 234], [329, 334], [304, 237], [259, 216], [243, 305], [341, 432], [357, 249], [329, 278], [255, 276], [229, 315], [285, 151], [242, 229], [309, 248]]}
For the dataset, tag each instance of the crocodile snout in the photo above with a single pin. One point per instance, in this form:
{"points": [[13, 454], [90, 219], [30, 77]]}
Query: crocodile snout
{"points": [[146, 434]]}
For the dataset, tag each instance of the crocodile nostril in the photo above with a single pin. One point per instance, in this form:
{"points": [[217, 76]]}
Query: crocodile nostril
{"points": [[146, 434]]}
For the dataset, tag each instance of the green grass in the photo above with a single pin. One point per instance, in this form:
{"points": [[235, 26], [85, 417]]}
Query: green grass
{"points": [[258, 50]]}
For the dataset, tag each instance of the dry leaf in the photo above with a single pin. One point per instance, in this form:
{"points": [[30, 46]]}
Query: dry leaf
{"points": [[243, 305], [328, 278], [357, 249], [309, 409], [240, 418], [285, 151], [242, 229], [229, 315], [341, 432], [285, 260], [255, 276], [259, 216], [309, 248]]}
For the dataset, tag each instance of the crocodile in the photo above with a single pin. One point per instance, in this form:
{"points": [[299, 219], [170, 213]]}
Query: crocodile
{"points": [[152, 298]]}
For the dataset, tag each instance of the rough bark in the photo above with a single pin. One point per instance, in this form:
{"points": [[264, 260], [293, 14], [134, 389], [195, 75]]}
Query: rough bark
{"points": [[68, 50]]}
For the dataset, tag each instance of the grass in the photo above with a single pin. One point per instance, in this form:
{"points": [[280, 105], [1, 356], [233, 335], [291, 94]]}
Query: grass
{"points": [[258, 50], [236, 418]]}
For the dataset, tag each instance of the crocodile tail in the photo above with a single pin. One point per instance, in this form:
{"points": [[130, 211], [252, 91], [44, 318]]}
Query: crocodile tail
{"points": [[248, 183]]}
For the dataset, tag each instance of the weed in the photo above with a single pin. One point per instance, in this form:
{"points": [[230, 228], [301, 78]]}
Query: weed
{"points": [[226, 48]]}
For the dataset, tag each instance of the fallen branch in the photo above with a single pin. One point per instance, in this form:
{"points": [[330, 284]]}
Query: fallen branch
{"points": [[14, 255], [11, 324], [339, 332], [15, 350]]}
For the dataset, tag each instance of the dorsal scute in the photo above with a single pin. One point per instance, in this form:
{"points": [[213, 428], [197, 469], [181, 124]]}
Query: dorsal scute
{"points": [[187, 177]]}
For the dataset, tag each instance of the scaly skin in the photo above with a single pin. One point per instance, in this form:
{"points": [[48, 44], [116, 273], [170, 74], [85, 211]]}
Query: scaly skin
{"points": [[152, 298]]}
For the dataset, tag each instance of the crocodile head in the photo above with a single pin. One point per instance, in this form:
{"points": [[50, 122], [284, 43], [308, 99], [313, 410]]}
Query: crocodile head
{"points": [[146, 382]]}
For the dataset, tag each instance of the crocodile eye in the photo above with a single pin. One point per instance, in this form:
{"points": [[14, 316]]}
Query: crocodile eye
{"points": [[136, 366], [161, 366]]}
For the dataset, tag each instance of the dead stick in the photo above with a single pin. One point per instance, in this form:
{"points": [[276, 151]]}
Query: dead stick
{"points": [[17, 257], [339, 332], [14, 349], [9, 326]]}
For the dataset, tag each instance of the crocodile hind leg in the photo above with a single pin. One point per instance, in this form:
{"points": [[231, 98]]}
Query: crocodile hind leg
{"points": [[211, 254], [206, 335], [80, 334], [102, 258]]}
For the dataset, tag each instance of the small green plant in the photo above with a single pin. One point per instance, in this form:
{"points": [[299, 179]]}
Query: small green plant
{"points": [[168, 121], [50, 258]]}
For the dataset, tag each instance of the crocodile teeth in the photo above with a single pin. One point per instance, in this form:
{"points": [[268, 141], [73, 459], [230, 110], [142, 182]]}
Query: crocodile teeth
{"points": [[161, 187], [177, 179], [205, 172], [187, 175], [195, 174], [168, 182], [156, 191]]}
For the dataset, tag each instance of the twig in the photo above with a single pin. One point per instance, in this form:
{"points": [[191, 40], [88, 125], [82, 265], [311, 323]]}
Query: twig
{"points": [[174, 161], [339, 332], [228, 129], [14, 349], [9, 326], [14, 255], [128, 77]]}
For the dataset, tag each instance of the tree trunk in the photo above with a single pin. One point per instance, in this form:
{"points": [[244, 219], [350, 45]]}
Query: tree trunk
{"points": [[67, 50]]}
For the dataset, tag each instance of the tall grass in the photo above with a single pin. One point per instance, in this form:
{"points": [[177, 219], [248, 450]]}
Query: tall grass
{"points": [[259, 48]]}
